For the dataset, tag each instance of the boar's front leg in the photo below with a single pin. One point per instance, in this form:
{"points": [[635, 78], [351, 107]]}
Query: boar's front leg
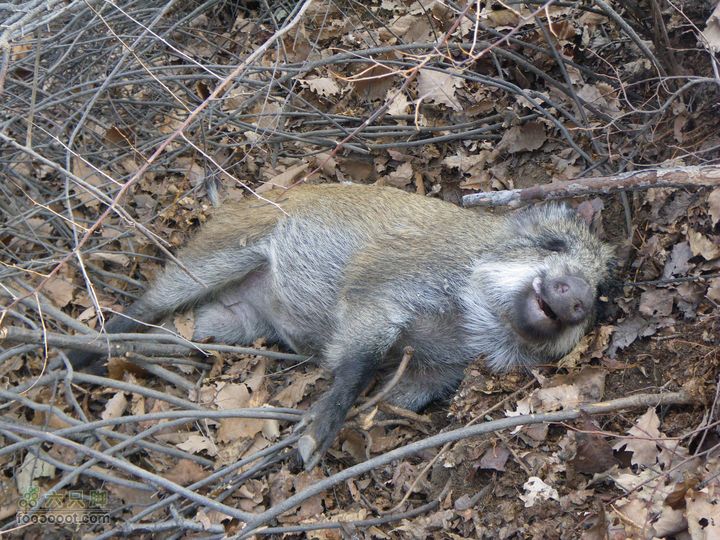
{"points": [[354, 359]]}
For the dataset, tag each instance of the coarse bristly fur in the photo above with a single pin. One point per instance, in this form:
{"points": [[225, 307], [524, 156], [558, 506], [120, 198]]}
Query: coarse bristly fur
{"points": [[353, 274]]}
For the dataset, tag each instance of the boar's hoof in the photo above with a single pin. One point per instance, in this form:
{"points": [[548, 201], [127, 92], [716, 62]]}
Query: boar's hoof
{"points": [[307, 446], [319, 432]]}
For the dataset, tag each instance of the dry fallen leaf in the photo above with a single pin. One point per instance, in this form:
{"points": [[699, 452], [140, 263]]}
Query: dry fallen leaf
{"points": [[677, 264], [711, 34], [185, 472], [92, 177], [284, 179], [59, 290], [312, 507], [31, 469], [196, 444], [322, 86], [235, 396], [115, 407], [556, 398], [714, 206], [656, 302], [527, 137], [594, 454], [642, 441], [713, 292], [397, 103], [116, 258], [702, 245], [703, 512], [293, 394], [438, 87], [185, 324], [495, 458], [536, 491], [400, 177], [602, 96]]}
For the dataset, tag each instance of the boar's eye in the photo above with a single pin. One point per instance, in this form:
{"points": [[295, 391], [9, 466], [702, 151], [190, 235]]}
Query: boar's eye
{"points": [[554, 244]]}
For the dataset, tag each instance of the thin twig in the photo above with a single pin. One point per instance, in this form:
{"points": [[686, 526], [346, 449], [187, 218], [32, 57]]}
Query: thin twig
{"points": [[407, 356], [121, 344], [640, 400]]}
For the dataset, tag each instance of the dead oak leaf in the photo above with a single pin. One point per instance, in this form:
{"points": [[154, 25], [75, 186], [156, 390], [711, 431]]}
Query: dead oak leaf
{"points": [[59, 290], [322, 86], [536, 491], [185, 472], [400, 177], [251, 495], [556, 398], [702, 245], [713, 292], [714, 206], [412, 28], [237, 396], [711, 34], [397, 103], [195, 444], [185, 324], [632, 328], [115, 258], [293, 394], [284, 179], [656, 302], [642, 441], [565, 391], [703, 513], [589, 382], [495, 458], [312, 507], [439, 87], [602, 96], [594, 454], [677, 264], [527, 137]]}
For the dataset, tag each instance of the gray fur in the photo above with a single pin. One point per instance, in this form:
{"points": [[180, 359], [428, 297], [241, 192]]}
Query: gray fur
{"points": [[353, 274]]}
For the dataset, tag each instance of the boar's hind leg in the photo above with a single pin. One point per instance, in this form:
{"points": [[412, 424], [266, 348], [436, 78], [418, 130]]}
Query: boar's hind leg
{"points": [[175, 289], [418, 388], [237, 323]]}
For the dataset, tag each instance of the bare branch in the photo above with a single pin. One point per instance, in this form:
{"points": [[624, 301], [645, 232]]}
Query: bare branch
{"points": [[604, 407], [121, 344], [677, 177]]}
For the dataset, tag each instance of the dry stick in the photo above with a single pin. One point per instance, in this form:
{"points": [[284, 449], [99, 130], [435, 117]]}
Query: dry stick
{"points": [[156, 481], [445, 447], [95, 192], [47, 307], [216, 477], [407, 356], [404, 413], [360, 523], [676, 177], [165, 416], [122, 386], [640, 400], [214, 95], [666, 281], [120, 344]]}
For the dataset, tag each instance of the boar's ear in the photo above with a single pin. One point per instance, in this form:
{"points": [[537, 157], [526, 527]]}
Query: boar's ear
{"points": [[590, 213]]}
